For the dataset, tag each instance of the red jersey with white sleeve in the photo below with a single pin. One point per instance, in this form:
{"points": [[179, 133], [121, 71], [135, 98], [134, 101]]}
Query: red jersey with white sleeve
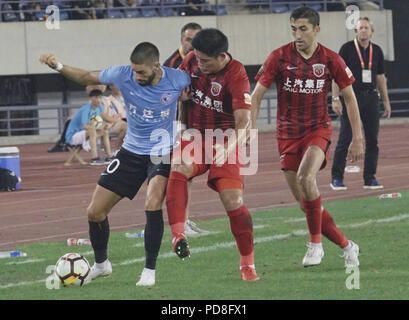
{"points": [[302, 88], [215, 96]]}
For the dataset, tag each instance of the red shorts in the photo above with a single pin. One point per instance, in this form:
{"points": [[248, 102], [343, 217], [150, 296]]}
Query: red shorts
{"points": [[292, 151], [220, 178]]}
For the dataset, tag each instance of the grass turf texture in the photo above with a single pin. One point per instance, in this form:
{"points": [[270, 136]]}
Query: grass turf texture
{"points": [[212, 271]]}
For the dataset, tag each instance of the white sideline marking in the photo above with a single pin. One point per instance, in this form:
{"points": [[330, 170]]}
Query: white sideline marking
{"points": [[260, 226], [223, 245], [24, 262]]}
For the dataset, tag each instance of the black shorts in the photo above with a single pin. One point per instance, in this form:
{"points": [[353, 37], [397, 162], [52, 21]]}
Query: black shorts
{"points": [[126, 173]]}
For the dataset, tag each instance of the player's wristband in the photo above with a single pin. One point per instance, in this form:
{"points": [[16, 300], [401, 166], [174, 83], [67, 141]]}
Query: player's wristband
{"points": [[335, 98], [59, 67]]}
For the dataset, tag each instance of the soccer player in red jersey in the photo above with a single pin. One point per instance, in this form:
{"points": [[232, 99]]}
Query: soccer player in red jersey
{"points": [[303, 71], [219, 99]]}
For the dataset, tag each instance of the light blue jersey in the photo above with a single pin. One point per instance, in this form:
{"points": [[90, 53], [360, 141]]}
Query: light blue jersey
{"points": [[150, 110], [81, 117]]}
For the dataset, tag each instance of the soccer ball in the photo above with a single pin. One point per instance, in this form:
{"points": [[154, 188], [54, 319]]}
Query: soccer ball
{"points": [[72, 269], [96, 121]]}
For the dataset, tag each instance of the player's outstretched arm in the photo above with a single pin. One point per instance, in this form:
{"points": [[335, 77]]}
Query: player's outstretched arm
{"points": [[75, 74], [356, 149], [256, 97]]}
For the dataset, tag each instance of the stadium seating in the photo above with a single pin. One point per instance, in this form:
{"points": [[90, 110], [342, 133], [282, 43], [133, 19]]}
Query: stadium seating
{"points": [[164, 8], [132, 13], [114, 14], [220, 10], [9, 16], [148, 12]]}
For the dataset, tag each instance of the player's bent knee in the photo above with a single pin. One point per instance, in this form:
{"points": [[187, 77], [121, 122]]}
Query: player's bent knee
{"points": [[95, 215], [154, 201], [306, 181], [231, 202]]}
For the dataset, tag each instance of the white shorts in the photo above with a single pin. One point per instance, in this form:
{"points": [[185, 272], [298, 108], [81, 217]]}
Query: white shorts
{"points": [[79, 138]]}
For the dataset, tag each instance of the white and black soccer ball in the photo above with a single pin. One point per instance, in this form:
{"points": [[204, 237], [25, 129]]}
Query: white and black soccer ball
{"points": [[72, 269]]}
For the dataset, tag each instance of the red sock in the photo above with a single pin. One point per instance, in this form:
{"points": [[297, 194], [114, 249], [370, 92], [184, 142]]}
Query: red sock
{"points": [[331, 231], [313, 213], [242, 228], [176, 201]]}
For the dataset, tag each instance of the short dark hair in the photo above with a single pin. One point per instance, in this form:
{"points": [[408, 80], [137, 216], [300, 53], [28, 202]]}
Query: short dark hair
{"points": [[95, 93], [211, 42], [306, 13], [145, 53], [190, 26]]}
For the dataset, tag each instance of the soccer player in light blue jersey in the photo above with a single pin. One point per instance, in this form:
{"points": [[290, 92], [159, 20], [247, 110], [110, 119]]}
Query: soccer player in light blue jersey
{"points": [[151, 94]]}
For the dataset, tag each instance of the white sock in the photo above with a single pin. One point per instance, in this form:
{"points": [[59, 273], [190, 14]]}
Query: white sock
{"points": [[316, 244]]}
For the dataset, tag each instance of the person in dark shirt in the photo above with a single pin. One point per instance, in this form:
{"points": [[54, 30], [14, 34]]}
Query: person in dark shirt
{"points": [[366, 61], [83, 10], [195, 9], [188, 32]]}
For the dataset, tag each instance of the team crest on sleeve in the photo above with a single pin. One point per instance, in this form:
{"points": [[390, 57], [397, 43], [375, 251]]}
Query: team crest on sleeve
{"points": [[216, 88], [247, 98], [166, 98], [349, 72], [318, 69]]}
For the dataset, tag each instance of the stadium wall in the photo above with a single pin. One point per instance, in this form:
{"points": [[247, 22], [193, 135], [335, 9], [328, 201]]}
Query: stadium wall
{"points": [[96, 44]]}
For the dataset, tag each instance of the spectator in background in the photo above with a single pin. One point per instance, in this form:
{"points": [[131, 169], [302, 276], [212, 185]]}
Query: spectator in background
{"points": [[100, 9], [115, 114], [83, 10], [82, 132], [365, 59], [61, 145], [195, 8], [188, 32], [120, 4]]}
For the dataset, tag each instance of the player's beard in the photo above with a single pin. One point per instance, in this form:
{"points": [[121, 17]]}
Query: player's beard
{"points": [[148, 82]]}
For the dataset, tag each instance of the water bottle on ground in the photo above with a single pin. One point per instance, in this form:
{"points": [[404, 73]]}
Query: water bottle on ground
{"points": [[135, 235], [12, 254], [78, 242], [390, 195]]}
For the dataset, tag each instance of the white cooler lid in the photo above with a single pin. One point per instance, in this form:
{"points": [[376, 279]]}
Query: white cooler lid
{"points": [[9, 151]]}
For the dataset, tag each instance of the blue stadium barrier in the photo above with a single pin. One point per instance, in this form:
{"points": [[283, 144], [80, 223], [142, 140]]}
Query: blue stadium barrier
{"points": [[115, 14], [132, 13], [279, 8], [167, 12], [221, 10]]}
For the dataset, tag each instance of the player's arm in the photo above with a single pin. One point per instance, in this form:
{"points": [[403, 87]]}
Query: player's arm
{"points": [[242, 119], [383, 90], [256, 97], [75, 74], [356, 150], [108, 118], [336, 102]]}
